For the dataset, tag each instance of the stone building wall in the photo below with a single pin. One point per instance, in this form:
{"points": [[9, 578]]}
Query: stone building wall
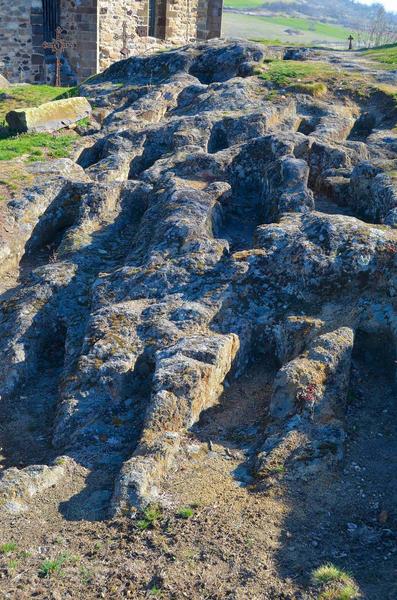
{"points": [[182, 20], [80, 21], [177, 21], [193, 19], [95, 30], [22, 36], [16, 44], [214, 19], [111, 16]]}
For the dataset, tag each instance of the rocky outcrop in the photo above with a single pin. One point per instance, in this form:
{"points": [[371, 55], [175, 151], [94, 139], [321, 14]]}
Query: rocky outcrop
{"points": [[374, 191], [204, 229]]}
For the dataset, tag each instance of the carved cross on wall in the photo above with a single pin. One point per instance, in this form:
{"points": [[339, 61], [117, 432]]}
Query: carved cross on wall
{"points": [[125, 37], [58, 47]]}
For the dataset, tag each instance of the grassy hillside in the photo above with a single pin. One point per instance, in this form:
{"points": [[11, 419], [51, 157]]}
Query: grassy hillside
{"points": [[243, 4], [271, 28], [328, 22], [248, 4], [349, 13]]}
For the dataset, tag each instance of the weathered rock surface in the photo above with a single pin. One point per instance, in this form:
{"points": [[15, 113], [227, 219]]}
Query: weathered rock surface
{"points": [[206, 228], [3, 82], [50, 116]]}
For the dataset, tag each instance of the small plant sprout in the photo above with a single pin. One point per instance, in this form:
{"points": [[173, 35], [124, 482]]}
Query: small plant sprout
{"points": [[52, 567], [329, 573], [86, 575], [151, 516], [12, 564], [186, 512], [335, 584], [279, 469], [8, 548]]}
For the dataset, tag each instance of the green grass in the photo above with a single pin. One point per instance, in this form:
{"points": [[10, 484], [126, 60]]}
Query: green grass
{"points": [[387, 55], [243, 4], [32, 146], [321, 29], [308, 32], [84, 122], [281, 72], [8, 548], [315, 89], [279, 469], [52, 567], [12, 564], [36, 146], [275, 42], [329, 573], [151, 516], [247, 4], [346, 592], [185, 513], [334, 583]]}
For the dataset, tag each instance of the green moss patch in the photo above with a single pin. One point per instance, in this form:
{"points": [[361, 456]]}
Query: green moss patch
{"points": [[317, 89]]}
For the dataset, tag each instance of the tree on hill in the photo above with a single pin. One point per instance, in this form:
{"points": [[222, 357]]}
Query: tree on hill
{"points": [[379, 32]]}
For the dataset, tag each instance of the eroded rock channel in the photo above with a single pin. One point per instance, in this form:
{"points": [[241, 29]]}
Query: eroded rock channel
{"points": [[208, 238]]}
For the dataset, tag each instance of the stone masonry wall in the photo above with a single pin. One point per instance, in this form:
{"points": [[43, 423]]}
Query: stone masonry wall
{"points": [[177, 21], [80, 20], [16, 45], [112, 15], [95, 29], [214, 19], [191, 19], [21, 38], [182, 19]]}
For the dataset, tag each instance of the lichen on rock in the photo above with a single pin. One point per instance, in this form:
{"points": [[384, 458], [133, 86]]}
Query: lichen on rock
{"points": [[205, 228]]}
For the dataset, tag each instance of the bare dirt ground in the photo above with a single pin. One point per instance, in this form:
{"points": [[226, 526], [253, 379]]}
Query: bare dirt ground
{"points": [[241, 540]]}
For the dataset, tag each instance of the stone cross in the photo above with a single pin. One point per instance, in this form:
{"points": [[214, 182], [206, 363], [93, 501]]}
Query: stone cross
{"points": [[351, 39], [125, 37], [58, 47]]}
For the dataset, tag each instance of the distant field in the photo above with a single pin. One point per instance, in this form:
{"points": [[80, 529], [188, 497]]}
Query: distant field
{"points": [[243, 4], [247, 4], [255, 27]]}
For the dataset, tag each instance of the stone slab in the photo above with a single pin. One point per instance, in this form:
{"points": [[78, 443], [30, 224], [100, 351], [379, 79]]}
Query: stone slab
{"points": [[50, 116]]}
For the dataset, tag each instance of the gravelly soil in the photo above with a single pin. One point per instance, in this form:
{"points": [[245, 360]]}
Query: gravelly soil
{"points": [[242, 541]]}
